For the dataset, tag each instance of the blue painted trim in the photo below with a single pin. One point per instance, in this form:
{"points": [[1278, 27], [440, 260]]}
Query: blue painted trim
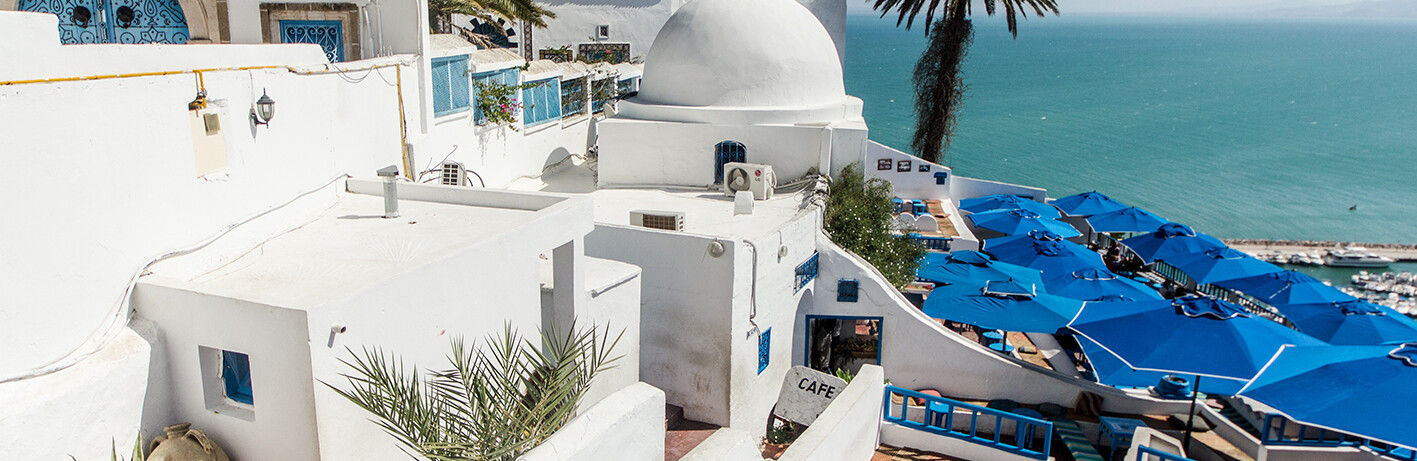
{"points": [[449, 66], [1143, 452], [764, 350], [236, 377], [937, 408]]}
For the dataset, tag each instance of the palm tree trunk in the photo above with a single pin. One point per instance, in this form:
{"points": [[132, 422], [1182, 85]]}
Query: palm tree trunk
{"points": [[939, 87]]}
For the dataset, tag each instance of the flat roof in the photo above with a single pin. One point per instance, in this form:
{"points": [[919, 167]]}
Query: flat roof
{"points": [[346, 247]]}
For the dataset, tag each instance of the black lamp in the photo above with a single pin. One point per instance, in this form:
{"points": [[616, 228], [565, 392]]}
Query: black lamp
{"points": [[265, 109]]}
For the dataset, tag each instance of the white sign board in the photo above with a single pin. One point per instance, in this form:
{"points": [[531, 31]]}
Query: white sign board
{"points": [[805, 394]]}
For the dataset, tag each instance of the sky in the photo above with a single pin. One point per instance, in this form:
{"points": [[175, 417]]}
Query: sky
{"points": [[1237, 8]]}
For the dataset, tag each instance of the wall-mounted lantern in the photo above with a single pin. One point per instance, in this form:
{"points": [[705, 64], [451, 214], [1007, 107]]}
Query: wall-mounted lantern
{"points": [[265, 110]]}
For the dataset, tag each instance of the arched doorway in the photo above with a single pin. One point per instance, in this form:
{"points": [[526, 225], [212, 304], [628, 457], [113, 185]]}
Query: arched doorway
{"points": [[724, 153], [115, 21]]}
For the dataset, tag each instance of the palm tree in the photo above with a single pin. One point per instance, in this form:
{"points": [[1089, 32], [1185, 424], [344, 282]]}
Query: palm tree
{"points": [[440, 12], [939, 88]]}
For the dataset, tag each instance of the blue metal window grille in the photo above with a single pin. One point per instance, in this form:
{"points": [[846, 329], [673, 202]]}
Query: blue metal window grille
{"points": [[940, 177], [236, 373], [504, 77], [805, 272], [114, 21], [542, 102], [724, 153], [573, 97], [764, 350], [625, 86], [328, 34], [604, 90], [847, 290], [451, 87], [985, 424]]}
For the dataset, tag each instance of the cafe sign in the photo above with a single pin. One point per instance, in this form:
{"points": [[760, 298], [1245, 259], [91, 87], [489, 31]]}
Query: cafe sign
{"points": [[806, 393]]}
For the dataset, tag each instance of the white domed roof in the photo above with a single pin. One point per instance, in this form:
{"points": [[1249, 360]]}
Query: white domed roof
{"points": [[743, 54]]}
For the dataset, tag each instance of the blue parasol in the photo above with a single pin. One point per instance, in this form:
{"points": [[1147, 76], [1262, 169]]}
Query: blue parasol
{"points": [[1169, 240], [1054, 259], [972, 267], [1017, 222], [1131, 219], [1351, 322], [1007, 202], [1001, 305], [1286, 287], [1219, 265], [1087, 204], [1092, 284]]}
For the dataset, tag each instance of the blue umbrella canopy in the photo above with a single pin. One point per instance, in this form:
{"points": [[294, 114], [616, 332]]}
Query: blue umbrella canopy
{"points": [[1169, 240], [1007, 202], [1054, 259], [1112, 371], [1192, 336], [1351, 322], [1361, 390], [1016, 222], [1219, 265], [1087, 204], [1015, 243], [1001, 305], [1092, 284], [972, 267], [1130, 219], [1286, 287]]}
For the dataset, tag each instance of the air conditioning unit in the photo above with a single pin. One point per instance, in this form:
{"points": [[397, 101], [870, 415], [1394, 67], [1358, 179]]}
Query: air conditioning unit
{"points": [[753, 177], [453, 174], [663, 220]]}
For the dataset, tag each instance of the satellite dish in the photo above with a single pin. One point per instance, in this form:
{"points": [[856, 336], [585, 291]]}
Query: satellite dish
{"points": [[737, 180]]}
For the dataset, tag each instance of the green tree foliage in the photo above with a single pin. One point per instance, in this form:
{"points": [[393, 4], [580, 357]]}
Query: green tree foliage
{"points": [[859, 218], [939, 87], [440, 12], [496, 402]]}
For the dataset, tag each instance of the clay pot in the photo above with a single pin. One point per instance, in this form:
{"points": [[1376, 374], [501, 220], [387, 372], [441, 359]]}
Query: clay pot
{"points": [[182, 443]]}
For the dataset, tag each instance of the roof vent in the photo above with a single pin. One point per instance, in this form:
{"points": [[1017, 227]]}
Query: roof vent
{"points": [[453, 174], [663, 220]]}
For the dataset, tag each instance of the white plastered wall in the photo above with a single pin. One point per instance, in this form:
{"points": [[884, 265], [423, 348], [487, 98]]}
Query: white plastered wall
{"points": [[614, 303], [627, 425], [631, 21], [637, 152]]}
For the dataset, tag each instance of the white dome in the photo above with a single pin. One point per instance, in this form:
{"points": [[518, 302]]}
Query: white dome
{"points": [[742, 54]]}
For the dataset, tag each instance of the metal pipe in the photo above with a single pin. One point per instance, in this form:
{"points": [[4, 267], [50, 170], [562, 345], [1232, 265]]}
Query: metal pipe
{"points": [[391, 190]]}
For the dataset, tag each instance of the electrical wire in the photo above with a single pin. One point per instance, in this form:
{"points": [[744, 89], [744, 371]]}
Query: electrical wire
{"points": [[123, 312]]}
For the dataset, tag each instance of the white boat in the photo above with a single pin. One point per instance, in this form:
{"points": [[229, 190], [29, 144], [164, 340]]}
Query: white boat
{"points": [[1355, 257]]}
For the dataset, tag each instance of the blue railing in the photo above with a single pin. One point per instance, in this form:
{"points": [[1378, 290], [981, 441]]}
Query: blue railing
{"points": [[939, 415], [1279, 430], [1152, 454], [933, 243]]}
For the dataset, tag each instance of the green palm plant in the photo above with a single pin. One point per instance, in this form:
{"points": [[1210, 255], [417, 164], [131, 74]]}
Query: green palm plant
{"points": [[440, 12], [939, 87], [495, 402]]}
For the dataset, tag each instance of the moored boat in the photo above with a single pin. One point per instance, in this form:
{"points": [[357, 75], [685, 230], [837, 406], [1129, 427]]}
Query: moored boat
{"points": [[1355, 257]]}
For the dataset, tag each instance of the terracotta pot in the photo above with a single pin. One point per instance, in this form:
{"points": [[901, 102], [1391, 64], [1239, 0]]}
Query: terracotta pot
{"points": [[182, 443]]}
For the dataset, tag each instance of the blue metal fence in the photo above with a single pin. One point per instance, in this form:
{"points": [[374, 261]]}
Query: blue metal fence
{"points": [[933, 243], [1279, 430], [939, 415], [1152, 454]]}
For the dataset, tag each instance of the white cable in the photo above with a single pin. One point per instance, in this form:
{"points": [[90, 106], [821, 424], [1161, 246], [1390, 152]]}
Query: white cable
{"points": [[123, 313]]}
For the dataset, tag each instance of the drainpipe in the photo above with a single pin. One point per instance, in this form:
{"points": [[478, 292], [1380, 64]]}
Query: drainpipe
{"points": [[391, 190]]}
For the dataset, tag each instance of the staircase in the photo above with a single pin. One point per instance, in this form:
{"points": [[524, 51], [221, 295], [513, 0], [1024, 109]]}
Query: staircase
{"points": [[1230, 413], [682, 435]]}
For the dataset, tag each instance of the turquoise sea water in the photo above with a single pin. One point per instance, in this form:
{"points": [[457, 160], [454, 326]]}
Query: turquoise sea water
{"points": [[1240, 128]]}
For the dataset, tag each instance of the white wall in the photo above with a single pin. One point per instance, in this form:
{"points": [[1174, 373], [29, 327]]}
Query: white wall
{"points": [[726, 444], [636, 22], [497, 154], [627, 425], [849, 429], [913, 184], [686, 305], [614, 302], [965, 188], [918, 353], [637, 152], [130, 189]]}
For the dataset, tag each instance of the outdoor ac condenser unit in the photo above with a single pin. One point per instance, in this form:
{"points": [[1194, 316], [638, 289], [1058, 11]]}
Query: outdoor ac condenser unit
{"points": [[753, 177], [453, 174], [664, 220]]}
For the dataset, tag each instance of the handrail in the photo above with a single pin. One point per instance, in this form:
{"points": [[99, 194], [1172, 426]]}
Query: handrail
{"points": [[1026, 429], [933, 243], [1145, 453], [1276, 432]]}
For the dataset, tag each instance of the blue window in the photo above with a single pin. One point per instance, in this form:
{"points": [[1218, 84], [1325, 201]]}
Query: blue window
{"points": [[542, 102], [941, 177], [625, 86], [806, 272], [236, 373], [328, 34], [724, 153], [509, 77], [604, 90], [764, 350], [573, 97], [451, 92], [847, 290]]}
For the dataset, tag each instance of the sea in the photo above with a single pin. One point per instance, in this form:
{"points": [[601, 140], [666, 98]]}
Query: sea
{"points": [[1241, 128]]}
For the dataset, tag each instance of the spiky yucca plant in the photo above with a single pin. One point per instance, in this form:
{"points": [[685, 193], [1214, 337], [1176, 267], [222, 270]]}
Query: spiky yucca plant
{"points": [[496, 402]]}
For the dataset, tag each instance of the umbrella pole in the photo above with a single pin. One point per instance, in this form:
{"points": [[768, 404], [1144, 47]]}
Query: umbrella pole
{"points": [[1190, 419]]}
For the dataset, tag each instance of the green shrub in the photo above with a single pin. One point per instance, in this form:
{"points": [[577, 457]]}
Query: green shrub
{"points": [[859, 218]]}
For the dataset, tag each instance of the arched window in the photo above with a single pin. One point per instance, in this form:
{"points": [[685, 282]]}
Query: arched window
{"points": [[726, 152]]}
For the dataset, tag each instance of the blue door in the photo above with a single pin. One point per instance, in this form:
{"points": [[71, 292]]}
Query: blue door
{"points": [[727, 152], [328, 34], [114, 21]]}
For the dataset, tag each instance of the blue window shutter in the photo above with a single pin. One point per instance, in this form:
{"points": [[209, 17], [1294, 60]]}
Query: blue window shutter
{"points": [[236, 373], [764, 350], [847, 290], [450, 85], [806, 272], [461, 95]]}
